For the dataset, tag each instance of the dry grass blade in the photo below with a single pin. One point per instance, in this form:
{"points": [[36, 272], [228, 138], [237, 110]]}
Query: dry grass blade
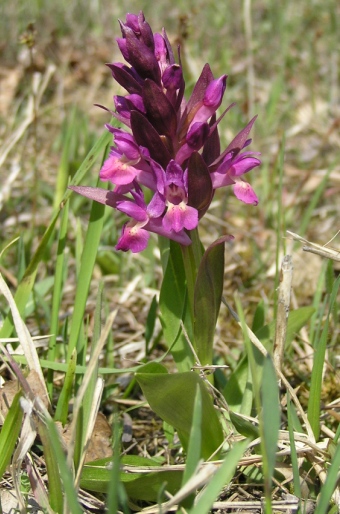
{"points": [[323, 251], [39, 85], [24, 336], [286, 276]]}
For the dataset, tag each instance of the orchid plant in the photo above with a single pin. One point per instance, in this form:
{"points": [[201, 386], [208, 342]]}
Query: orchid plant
{"points": [[171, 147]]}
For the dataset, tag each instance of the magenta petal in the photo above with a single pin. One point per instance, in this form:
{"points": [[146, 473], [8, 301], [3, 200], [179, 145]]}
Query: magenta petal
{"points": [[156, 206], [220, 180], [155, 225], [244, 165], [133, 238], [244, 192], [179, 217], [132, 210], [117, 172]]}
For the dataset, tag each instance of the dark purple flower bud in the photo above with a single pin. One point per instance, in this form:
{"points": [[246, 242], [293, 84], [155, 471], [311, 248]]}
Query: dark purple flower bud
{"points": [[121, 42], [137, 47], [132, 22], [146, 32], [212, 99], [215, 91], [161, 53], [172, 77], [197, 135]]}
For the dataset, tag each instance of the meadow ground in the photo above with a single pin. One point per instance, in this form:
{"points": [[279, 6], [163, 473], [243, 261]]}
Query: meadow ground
{"points": [[282, 61]]}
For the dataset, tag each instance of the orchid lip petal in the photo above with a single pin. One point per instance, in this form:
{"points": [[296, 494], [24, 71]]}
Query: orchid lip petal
{"points": [[244, 192]]}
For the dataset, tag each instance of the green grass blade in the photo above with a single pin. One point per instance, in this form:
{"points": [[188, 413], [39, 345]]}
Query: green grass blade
{"points": [[222, 477], [55, 490], [24, 288], [293, 453], [314, 401], [61, 412], [26, 284], [87, 412], [65, 472], [270, 418], [330, 484], [57, 292], [9, 433], [84, 278]]}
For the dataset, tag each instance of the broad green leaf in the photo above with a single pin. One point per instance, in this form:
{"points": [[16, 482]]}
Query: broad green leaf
{"points": [[207, 299], [138, 485], [171, 396], [152, 367], [150, 322], [194, 449], [9, 433], [173, 309], [243, 426]]}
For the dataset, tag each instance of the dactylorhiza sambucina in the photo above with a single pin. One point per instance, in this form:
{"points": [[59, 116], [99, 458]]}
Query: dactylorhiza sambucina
{"points": [[171, 146]]}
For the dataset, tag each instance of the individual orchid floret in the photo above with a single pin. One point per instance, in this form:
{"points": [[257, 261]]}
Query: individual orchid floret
{"points": [[212, 99], [230, 171], [232, 164], [174, 188], [125, 161]]}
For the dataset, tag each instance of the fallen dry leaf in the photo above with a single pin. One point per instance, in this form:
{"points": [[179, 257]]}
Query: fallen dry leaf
{"points": [[100, 445], [11, 387]]}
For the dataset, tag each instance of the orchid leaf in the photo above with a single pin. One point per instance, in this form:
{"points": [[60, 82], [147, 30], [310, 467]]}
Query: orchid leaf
{"points": [[138, 484], [171, 397], [173, 309], [207, 299], [243, 426]]}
